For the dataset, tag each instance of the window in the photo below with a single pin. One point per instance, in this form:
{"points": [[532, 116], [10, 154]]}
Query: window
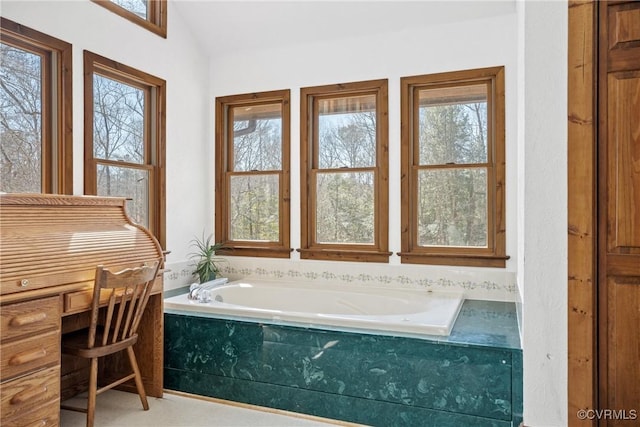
{"points": [[453, 168], [35, 112], [344, 165], [252, 174], [124, 139], [150, 14]]}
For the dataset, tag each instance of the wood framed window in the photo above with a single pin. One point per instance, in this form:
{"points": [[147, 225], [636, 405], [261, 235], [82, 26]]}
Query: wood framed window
{"points": [[35, 112], [124, 139], [344, 172], [453, 168], [252, 174], [150, 14]]}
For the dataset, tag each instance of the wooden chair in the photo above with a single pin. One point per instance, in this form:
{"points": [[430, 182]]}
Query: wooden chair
{"points": [[128, 292]]}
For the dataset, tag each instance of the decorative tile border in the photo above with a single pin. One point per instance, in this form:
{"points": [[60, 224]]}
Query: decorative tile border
{"points": [[178, 274], [366, 279], [474, 283]]}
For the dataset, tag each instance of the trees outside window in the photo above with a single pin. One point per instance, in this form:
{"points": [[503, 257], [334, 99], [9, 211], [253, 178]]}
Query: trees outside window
{"points": [[252, 174], [453, 168], [344, 172], [35, 111], [150, 14], [124, 138]]}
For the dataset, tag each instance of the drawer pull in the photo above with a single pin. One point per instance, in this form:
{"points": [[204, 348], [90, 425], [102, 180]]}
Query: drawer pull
{"points": [[27, 395], [28, 319], [27, 356]]}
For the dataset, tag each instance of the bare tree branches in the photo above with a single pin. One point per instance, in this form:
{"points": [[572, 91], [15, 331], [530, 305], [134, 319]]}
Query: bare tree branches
{"points": [[20, 120]]}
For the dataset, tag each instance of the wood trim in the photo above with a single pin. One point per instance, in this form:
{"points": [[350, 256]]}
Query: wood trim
{"points": [[57, 177], [582, 227], [48, 164], [90, 166], [220, 221], [224, 157], [156, 22], [154, 138], [160, 158], [256, 251], [494, 255], [117, 71], [469, 260], [345, 255], [309, 248]]}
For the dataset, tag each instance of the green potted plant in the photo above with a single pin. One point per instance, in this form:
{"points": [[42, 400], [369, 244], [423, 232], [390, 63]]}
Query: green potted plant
{"points": [[205, 260]]}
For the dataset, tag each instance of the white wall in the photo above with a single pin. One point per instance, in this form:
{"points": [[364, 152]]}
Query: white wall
{"points": [[177, 60], [472, 44], [531, 45], [542, 206]]}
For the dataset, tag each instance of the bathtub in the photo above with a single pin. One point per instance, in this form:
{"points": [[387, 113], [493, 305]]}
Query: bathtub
{"points": [[373, 310]]}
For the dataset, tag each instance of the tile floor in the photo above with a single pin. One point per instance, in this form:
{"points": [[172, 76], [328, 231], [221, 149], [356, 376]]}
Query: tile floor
{"points": [[120, 409]]}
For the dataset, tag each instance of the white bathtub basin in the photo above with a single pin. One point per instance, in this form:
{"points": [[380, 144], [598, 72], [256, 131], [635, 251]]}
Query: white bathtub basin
{"points": [[369, 309]]}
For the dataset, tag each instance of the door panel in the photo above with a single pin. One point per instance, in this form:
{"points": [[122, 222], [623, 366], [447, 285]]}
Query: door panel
{"points": [[619, 209], [624, 152], [624, 356]]}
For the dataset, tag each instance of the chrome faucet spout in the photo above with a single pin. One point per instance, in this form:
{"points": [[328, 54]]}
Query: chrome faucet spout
{"points": [[201, 291]]}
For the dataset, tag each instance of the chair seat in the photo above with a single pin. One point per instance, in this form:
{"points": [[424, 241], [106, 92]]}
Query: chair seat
{"points": [[75, 343]]}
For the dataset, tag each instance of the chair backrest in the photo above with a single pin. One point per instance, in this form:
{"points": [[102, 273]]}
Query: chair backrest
{"points": [[128, 292]]}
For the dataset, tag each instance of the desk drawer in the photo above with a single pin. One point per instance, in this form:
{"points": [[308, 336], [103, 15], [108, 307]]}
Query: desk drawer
{"points": [[30, 354], [27, 393], [79, 301], [44, 416], [30, 317]]}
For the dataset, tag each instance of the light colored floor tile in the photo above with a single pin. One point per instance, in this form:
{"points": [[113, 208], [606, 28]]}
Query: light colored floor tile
{"points": [[120, 409]]}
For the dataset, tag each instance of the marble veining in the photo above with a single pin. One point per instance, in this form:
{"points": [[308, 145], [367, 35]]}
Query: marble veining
{"points": [[470, 374]]}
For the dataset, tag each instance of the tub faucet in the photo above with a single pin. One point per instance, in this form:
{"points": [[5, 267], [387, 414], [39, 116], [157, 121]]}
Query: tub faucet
{"points": [[201, 291]]}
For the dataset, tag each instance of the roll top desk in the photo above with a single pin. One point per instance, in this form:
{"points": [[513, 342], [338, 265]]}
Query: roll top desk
{"points": [[50, 246]]}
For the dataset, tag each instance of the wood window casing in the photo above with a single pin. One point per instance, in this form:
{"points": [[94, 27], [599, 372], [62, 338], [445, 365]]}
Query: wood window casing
{"points": [[153, 139], [582, 218], [57, 127], [377, 251], [225, 172], [156, 21], [493, 254]]}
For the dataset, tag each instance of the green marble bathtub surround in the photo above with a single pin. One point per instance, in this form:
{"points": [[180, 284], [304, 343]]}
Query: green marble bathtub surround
{"points": [[358, 410], [475, 372]]}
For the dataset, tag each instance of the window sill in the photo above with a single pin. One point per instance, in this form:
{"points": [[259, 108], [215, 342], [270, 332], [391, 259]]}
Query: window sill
{"points": [[255, 251], [344, 255], [468, 260]]}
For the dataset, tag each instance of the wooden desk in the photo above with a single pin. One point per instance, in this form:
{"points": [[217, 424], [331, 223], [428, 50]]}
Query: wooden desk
{"points": [[49, 248]]}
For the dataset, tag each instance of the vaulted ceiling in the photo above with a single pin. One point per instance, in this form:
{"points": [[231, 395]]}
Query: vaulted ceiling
{"points": [[227, 26]]}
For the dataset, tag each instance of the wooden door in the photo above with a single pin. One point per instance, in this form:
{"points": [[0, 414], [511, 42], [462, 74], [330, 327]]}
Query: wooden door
{"points": [[619, 211]]}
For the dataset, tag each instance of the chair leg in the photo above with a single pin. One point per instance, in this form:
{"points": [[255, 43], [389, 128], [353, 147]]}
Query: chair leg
{"points": [[138, 378], [93, 391]]}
